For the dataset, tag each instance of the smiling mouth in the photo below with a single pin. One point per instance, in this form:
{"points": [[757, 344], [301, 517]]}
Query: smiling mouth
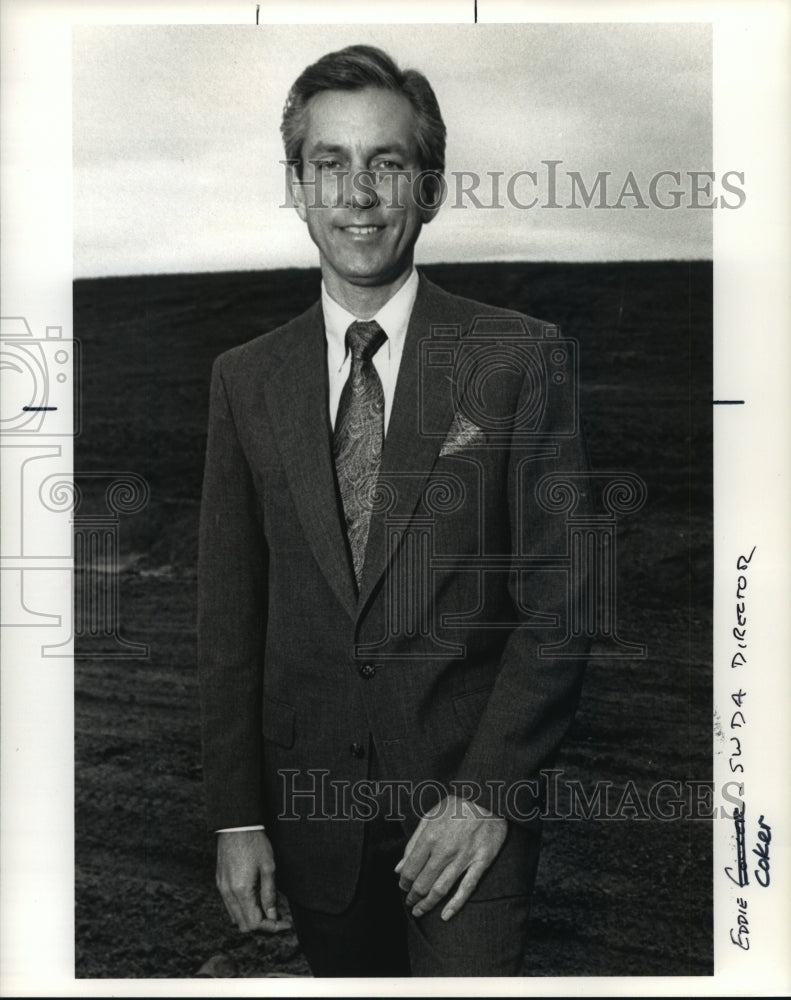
{"points": [[361, 230]]}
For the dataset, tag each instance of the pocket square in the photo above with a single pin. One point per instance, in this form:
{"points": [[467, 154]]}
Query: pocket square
{"points": [[463, 434]]}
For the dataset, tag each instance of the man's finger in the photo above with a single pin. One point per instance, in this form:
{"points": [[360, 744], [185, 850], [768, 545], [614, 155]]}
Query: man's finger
{"points": [[231, 901], [245, 917], [228, 909], [275, 926], [441, 887], [413, 865], [268, 896], [410, 845], [251, 915], [422, 885], [465, 890], [273, 921], [272, 915]]}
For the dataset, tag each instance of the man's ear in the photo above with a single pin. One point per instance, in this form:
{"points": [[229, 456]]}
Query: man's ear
{"points": [[427, 214], [297, 192], [432, 197]]}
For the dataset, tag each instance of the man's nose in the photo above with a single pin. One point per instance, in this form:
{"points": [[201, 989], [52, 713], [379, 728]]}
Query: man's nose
{"points": [[359, 189]]}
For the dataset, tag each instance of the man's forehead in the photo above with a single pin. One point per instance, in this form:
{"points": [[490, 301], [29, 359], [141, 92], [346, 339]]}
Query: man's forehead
{"points": [[370, 117]]}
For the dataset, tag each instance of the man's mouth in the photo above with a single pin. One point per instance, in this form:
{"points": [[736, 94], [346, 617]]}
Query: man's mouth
{"points": [[361, 230]]}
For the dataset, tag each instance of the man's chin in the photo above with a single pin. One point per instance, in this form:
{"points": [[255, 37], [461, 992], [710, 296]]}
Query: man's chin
{"points": [[370, 278]]}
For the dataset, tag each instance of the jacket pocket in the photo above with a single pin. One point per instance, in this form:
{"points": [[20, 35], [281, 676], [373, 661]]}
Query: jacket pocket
{"points": [[278, 722], [469, 708]]}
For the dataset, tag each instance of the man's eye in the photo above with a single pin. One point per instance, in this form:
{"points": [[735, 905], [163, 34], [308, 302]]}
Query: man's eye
{"points": [[390, 165], [328, 165]]}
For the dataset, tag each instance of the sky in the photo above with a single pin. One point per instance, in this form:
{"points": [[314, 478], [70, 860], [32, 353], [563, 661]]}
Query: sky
{"points": [[177, 149]]}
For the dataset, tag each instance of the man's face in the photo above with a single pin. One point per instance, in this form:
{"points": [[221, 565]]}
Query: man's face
{"points": [[360, 212]]}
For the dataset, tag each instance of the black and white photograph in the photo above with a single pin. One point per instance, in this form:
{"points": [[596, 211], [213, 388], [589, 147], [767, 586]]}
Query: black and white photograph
{"points": [[537, 496], [389, 508]]}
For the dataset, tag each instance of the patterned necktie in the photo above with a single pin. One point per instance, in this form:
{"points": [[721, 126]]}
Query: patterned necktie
{"points": [[359, 432]]}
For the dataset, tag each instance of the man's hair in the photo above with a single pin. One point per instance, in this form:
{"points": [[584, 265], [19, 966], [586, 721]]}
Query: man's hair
{"points": [[355, 68]]}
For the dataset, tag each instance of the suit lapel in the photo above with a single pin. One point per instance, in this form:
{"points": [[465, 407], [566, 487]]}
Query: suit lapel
{"points": [[298, 391], [422, 412], [421, 415]]}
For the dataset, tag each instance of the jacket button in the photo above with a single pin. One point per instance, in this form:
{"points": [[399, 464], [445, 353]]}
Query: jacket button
{"points": [[366, 670], [357, 750]]}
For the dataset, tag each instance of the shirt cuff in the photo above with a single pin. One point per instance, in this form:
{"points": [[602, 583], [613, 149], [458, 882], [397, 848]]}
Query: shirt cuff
{"points": [[239, 829]]}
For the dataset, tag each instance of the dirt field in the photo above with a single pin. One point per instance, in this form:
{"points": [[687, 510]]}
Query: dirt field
{"points": [[617, 897]]}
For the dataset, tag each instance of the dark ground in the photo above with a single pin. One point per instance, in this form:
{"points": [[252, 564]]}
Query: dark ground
{"points": [[628, 897]]}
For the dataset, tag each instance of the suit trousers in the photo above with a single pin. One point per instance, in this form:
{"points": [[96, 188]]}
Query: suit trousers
{"points": [[378, 936]]}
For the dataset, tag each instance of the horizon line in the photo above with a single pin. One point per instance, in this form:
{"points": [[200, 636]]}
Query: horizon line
{"points": [[448, 263]]}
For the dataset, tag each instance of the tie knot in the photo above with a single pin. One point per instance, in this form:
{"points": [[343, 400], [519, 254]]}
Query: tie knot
{"points": [[364, 339]]}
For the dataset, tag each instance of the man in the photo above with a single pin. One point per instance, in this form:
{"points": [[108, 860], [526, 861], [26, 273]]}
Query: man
{"points": [[376, 675]]}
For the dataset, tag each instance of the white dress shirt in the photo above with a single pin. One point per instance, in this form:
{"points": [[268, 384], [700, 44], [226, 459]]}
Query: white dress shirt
{"points": [[393, 318]]}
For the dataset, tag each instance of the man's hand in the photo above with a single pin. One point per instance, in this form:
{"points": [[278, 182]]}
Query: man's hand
{"points": [[460, 837], [246, 880]]}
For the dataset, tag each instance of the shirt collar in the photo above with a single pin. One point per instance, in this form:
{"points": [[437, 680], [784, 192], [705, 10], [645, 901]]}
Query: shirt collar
{"points": [[393, 318]]}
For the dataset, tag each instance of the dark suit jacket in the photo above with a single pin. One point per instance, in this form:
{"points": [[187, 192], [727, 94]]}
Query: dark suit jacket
{"points": [[439, 665]]}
